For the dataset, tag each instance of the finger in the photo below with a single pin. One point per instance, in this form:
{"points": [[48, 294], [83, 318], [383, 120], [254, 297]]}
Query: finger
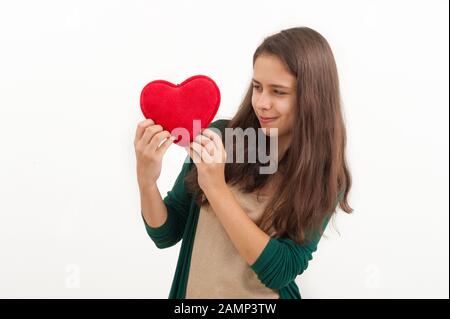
{"points": [[150, 132], [141, 128], [157, 139], [206, 143], [165, 145], [202, 152], [219, 153], [213, 137], [193, 154]]}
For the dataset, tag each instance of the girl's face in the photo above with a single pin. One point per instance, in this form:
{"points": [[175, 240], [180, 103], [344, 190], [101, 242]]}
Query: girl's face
{"points": [[274, 94]]}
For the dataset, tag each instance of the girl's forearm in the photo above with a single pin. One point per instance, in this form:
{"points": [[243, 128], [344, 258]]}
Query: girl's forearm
{"points": [[153, 208]]}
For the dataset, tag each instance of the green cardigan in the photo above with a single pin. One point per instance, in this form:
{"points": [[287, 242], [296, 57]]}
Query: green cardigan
{"points": [[280, 262]]}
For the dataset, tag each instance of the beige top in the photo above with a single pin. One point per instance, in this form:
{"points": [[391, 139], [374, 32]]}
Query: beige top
{"points": [[217, 269]]}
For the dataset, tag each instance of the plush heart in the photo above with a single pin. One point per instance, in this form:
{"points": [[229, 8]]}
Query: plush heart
{"points": [[187, 107]]}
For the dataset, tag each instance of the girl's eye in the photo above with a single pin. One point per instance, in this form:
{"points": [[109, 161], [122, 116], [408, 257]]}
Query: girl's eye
{"points": [[276, 91]]}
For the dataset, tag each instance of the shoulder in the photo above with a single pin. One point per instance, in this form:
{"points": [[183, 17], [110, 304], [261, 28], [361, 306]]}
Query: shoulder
{"points": [[219, 124]]}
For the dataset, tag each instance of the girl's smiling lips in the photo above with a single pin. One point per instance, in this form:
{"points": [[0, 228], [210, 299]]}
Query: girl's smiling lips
{"points": [[266, 119]]}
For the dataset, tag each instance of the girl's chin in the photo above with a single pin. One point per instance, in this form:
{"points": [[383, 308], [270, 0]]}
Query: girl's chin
{"points": [[271, 131]]}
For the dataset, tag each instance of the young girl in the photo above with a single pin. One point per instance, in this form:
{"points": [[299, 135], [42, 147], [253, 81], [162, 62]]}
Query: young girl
{"points": [[246, 234]]}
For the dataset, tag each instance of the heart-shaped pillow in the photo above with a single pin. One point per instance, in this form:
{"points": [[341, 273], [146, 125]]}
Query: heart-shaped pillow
{"points": [[182, 109]]}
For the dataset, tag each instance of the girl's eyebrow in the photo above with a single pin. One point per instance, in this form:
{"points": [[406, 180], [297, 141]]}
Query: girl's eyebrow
{"points": [[274, 85]]}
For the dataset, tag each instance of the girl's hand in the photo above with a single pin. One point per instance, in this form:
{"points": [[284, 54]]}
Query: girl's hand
{"points": [[149, 152], [209, 155]]}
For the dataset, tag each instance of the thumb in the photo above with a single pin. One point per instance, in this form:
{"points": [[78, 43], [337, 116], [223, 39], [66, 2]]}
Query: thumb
{"points": [[189, 151]]}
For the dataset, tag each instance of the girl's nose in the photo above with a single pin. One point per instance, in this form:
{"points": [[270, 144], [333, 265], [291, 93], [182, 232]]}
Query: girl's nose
{"points": [[263, 102]]}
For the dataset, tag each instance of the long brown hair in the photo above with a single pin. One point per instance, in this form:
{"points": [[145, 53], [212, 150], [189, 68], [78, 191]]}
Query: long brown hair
{"points": [[314, 173]]}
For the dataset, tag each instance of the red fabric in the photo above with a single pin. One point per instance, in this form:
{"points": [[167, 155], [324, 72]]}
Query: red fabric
{"points": [[178, 105]]}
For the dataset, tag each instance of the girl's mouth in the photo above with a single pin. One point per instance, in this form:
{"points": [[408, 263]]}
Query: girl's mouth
{"points": [[267, 119]]}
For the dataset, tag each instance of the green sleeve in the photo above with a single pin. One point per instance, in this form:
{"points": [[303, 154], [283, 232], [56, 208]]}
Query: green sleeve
{"points": [[282, 260], [178, 203]]}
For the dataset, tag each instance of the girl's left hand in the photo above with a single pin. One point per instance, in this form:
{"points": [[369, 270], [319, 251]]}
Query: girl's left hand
{"points": [[209, 155]]}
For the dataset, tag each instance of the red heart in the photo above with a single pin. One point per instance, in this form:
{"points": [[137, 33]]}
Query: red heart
{"points": [[176, 106]]}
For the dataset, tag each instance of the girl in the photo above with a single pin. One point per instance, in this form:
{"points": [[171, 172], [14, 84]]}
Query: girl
{"points": [[247, 234]]}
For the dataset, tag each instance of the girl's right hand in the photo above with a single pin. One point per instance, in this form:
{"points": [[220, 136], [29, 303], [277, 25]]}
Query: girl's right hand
{"points": [[148, 152]]}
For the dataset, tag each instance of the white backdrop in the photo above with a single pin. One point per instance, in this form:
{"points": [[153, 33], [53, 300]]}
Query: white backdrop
{"points": [[70, 77]]}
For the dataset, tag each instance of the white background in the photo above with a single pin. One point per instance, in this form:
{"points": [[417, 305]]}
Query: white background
{"points": [[71, 73]]}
